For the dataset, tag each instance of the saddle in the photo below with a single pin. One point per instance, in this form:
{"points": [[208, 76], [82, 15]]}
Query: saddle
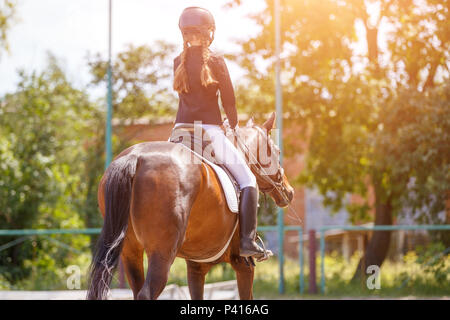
{"points": [[197, 140]]}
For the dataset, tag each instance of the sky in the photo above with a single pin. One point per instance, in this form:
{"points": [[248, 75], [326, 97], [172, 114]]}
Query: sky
{"points": [[70, 29]]}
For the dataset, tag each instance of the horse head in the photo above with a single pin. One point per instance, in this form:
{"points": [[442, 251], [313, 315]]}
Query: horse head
{"points": [[263, 157]]}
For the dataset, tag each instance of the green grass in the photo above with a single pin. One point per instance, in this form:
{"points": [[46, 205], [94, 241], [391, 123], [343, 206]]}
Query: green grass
{"points": [[266, 275], [421, 274], [410, 276]]}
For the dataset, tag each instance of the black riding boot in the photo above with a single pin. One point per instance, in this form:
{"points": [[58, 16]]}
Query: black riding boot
{"points": [[248, 207]]}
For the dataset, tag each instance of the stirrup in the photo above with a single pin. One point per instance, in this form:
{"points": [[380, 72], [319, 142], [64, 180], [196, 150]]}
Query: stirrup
{"points": [[267, 253]]}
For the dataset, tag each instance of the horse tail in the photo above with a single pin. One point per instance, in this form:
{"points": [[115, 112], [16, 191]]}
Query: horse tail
{"points": [[118, 188]]}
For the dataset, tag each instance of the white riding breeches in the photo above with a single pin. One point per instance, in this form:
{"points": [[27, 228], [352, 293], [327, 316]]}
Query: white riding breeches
{"points": [[227, 154]]}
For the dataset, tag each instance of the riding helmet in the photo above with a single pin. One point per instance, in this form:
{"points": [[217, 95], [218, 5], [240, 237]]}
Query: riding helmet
{"points": [[196, 19]]}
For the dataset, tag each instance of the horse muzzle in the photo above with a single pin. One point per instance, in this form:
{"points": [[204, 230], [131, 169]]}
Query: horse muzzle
{"points": [[285, 197]]}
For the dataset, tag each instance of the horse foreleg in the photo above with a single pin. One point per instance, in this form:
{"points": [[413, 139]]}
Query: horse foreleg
{"points": [[196, 273], [244, 276]]}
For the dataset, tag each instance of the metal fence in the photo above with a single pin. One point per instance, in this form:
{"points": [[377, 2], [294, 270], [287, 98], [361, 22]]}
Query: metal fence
{"points": [[281, 254], [364, 228], [26, 233]]}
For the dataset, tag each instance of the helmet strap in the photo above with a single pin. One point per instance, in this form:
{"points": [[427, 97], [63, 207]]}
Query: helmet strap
{"points": [[211, 37]]}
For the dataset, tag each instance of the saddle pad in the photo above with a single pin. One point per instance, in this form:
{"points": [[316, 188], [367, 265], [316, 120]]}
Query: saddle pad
{"points": [[227, 185]]}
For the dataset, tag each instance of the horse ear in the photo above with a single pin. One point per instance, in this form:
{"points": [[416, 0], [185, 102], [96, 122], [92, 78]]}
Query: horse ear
{"points": [[250, 122], [270, 123]]}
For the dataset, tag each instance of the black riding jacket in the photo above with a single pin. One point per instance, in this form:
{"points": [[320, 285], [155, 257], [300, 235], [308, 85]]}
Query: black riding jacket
{"points": [[202, 103]]}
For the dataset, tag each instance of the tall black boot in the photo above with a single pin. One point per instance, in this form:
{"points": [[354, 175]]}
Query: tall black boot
{"points": [[248, 208]]}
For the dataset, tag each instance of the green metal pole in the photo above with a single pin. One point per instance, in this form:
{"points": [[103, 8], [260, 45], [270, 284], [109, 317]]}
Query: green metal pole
{"points": [[322, 261], [34, 232], [300, 253], [109, 96], [389, 227], [279, 110]]}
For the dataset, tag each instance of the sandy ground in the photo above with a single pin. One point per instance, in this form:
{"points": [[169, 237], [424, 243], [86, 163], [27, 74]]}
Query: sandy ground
{"points": [[173, 293], [226, 290]]}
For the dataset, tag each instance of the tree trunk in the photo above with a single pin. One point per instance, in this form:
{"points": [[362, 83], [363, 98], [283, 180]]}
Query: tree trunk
{"points": [[378, 245], [429, 83], [372, 44]]}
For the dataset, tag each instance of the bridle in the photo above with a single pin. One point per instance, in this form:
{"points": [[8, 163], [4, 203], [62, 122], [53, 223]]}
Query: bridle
{"points": [[275, 185], [255, 164]]}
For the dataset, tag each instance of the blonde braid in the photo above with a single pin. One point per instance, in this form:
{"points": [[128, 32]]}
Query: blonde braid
{"points": [[206, 75], [180, 83]]}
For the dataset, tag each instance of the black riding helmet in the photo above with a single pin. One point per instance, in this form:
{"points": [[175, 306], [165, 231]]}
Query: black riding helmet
{"points": [[197, 20]]}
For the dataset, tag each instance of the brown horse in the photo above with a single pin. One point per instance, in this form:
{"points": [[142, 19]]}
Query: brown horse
{"points": [[154, 202]]}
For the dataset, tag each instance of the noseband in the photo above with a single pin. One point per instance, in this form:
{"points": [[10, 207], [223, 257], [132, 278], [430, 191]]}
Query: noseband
{"points": [[276, 183]]}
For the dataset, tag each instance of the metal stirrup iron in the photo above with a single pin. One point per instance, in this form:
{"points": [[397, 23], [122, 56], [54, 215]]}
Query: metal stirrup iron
{"points": [[267, 253]]}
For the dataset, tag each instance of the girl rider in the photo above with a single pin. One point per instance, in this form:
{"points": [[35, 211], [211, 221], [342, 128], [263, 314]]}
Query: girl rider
{"points": [[199, 75]]}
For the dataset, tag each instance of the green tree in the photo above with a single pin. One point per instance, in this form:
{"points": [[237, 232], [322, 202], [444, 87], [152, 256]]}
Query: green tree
{"points": [[141, 76], [413, 143], [355, 102], [44, 128], [7, 16]]}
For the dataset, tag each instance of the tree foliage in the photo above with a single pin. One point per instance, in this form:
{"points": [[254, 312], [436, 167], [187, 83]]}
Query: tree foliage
{"points": [[414, 143], [141, 75], [369, 78], [44, 128], [347, 96], [7, 17]]}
